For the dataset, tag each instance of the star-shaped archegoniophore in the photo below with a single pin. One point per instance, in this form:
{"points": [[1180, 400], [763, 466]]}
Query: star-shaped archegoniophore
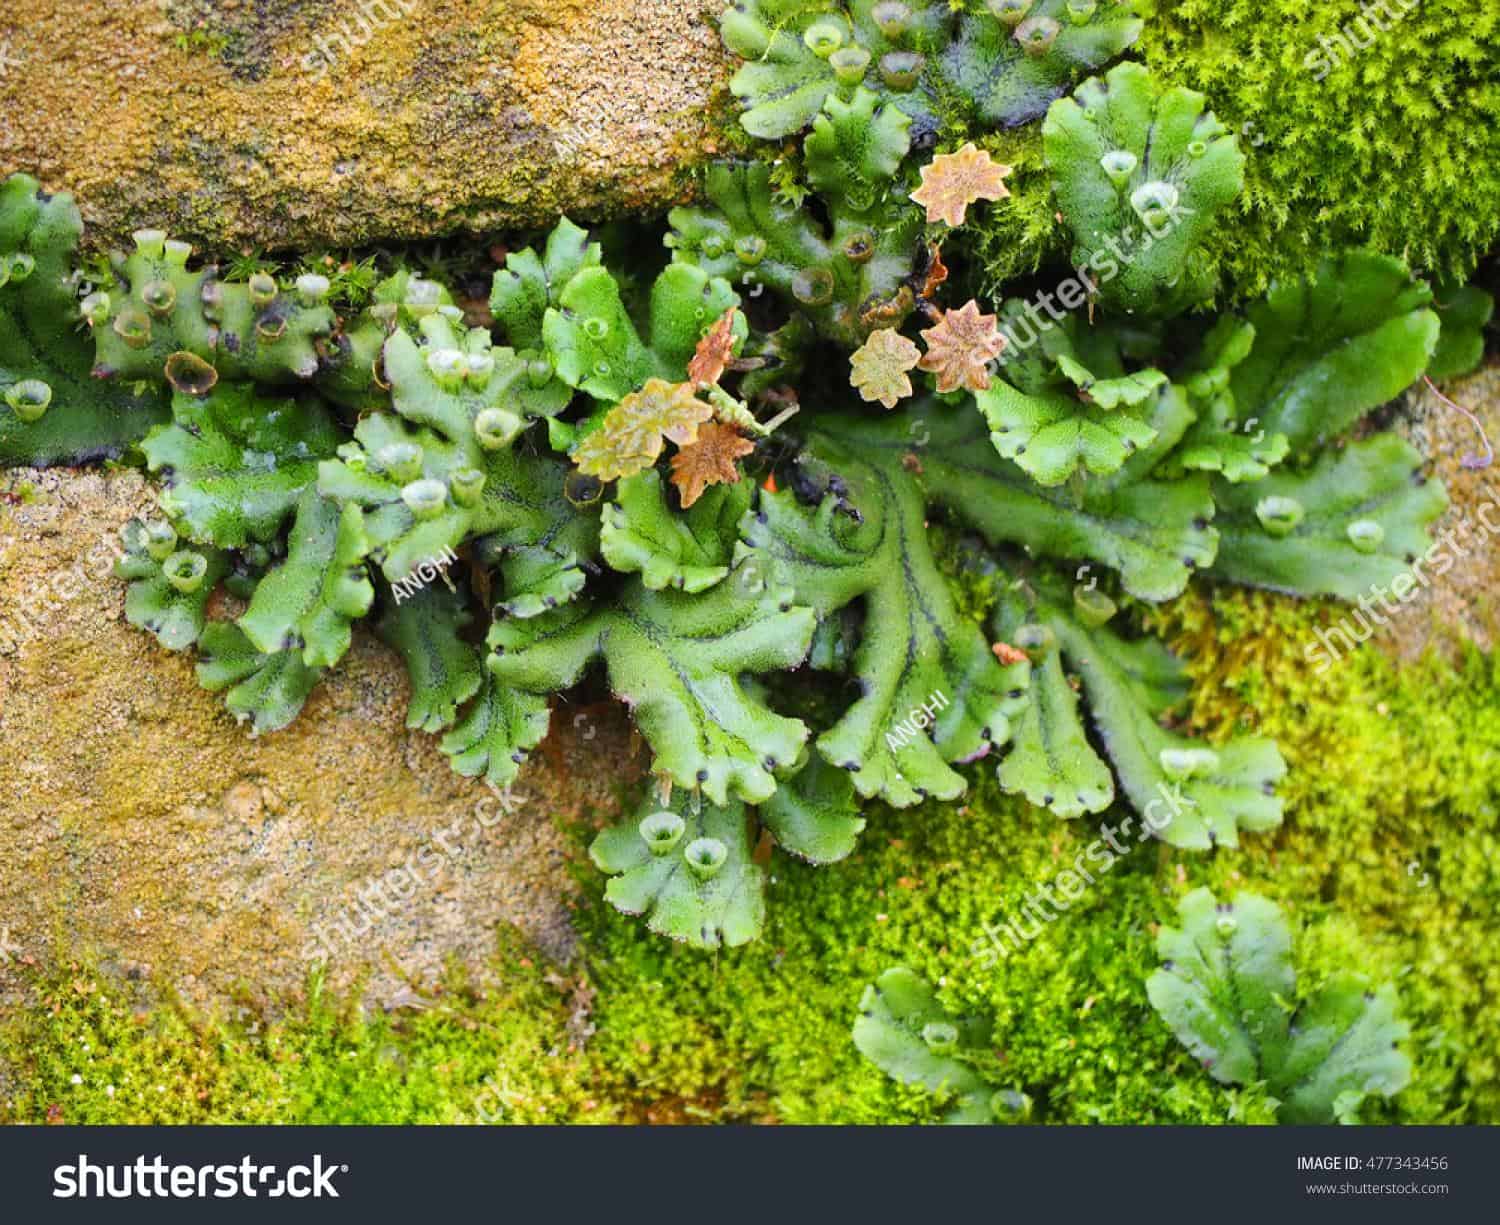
{"points": [[960, 347], [630, 438], [713, 352], [709, 460], [953, 181], [878, 368]]}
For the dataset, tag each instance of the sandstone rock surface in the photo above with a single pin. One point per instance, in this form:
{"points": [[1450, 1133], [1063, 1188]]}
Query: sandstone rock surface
{"points": [[140, 826], [306, 123]]}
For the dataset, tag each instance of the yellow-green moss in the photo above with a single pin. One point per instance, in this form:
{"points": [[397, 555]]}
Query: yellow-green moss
{"points": [[461, 1054], [1380, 151]]}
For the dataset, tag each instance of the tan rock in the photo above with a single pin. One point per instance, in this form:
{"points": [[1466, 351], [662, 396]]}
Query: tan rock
{"points": [[1461, 603], [311, 123], [140, 825]]}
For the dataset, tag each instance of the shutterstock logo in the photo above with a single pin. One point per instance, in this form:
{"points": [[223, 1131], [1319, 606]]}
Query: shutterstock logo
{"points": [[155, 1179]]}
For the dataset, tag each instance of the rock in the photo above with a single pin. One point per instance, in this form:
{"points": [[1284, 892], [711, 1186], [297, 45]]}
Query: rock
{"points": [[311, 123], [1460, 603], [141, 827]]}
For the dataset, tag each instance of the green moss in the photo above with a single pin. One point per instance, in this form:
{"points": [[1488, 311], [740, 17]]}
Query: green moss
{"points": [[242, 38], [1391, 830], [82, 1053], [1017, 236], [1381, 151], [1070, 1011], [201, 42]]}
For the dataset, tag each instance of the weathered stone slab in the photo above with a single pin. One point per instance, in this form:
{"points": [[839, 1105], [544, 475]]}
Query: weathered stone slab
{"points": [[302, 123], [140, 825]]}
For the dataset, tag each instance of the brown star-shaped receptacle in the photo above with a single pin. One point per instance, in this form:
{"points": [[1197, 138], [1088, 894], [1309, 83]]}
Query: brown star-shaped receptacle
{"points": [[960, 347], [709, 460], [934, 274], [953, 181]]}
